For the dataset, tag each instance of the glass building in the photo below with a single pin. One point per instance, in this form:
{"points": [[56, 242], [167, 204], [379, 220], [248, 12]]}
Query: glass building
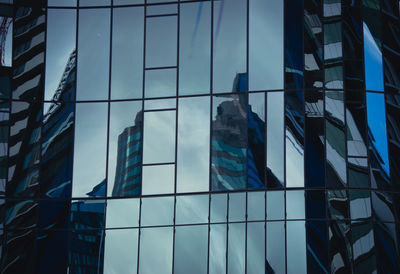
{"points": [[214, 136]]}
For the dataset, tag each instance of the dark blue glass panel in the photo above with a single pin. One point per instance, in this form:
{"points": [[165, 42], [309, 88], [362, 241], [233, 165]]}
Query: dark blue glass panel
{"points": [[53, 214], [378, 146], [293, 44], [340, 254], [387, 252], [338, 204], [363, 247], [382, 206], [315, 204], [393, 128], [372, 62], [52, 251], [21, 214], [87, 214], [317, 247]]}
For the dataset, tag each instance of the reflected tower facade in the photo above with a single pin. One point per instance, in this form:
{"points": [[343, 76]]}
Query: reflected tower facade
{"points": [[212, 136]]}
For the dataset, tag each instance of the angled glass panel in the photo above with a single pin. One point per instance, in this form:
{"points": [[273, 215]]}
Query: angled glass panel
{"points": [[275, 140], [294, 117], [317, 247], [265, 31], [338, 204], [161, 41], [236, 248], [295, 208], [275, 205], [60, 46], [382, 206], [90, 147], [127, 53], [53, 214], [93, 54], [6, 37], [386, 245], [52, 244], [125, 149], [256, 141], [158, 179], [218, 208], [122, 213], [191, 244], [355, 122], [160, 83], [21, 214], [192, 209], [159, 259], [217, 251], [362, 236], [159, 137], [296, 247], [315, 204], [333, 40], [87, 214], [256, 247], [21, 243], [229, 39], [237, 207], [256, 206], [373, 55], [275, 257], [59, 3], [358, 172], [378, 146], [193, 159], [340, 253], [360, 204], [120, 251], [57, 147], [229, 132], [194, 48], [157, 211]]}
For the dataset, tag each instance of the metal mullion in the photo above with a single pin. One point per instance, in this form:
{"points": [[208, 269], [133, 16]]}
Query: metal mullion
{"points": [[162, 15], [159, 68], [247, 132]]}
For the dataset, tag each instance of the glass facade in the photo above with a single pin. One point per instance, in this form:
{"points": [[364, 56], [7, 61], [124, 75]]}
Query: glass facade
{"points": [[213, 136]]}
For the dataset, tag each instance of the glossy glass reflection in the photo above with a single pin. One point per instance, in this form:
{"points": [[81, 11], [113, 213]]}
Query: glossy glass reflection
{"points": [[275, 205], [275, 259], [218, 208], [158, 179], [90, 146], [87, 214], [61, 3], [265, 31], [156, 104], [229, 130], [363, 247], [237, 207], [275, 140], [382, 206], [191, 209], [217, 249], [372, 61], [358, 172], [6, 37], [127, 53], [229, 43], [159, 137], [317, 247], [295, 208], [236, 248], [194, 48], [93, 54], [60, 44], [296, 247], [160, 83], [125, 149], [256, 206], [156, 260], [256, 141], [161, 41], [88, 3], [120, 251], [157, 211], [386, 246], [256, 247], [161, 9], [338, 204], [360, 204], [193, 159], [122, 213], [191, 244]]}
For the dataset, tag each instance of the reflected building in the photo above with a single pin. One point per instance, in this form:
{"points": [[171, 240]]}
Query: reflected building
{"points": [[129, 160]]}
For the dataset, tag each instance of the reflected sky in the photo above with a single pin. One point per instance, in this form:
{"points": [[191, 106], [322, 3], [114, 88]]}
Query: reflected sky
{"points": [[372, 61]]}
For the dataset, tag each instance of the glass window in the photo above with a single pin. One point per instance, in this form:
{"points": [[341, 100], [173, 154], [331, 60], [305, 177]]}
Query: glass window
{"points": [[127, 53], [191, 244], [161, 41], [256, 248], [90, 147], [120, 251], [87, 214], [256, 206], [191, 209], [296, 247], [276, 246], [93, 54], [275, 205], [7, 24], [295, 204], [157, 211], [382, 205], [122, 213], [362, 236], [193, 144], [219, 206], [125, 149], [360, 204], [60, 47], [158, 179], [229, 64], [127, 2], [156, 250], [160, 83], [265, 32], [159, 137], [194, 48], [60, 3], [237, 207], [159, 104], [236, 248], [373, 57], [217, 252], [87, 3], [161, 9]]}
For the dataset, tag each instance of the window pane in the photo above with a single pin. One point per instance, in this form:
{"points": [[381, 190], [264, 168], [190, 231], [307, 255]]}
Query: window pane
{"points": [[93, 54], [193, 144], [122, 213], [275, 205], [265, 32], [161, 41], [237, 207], [229, 45], [157, 211], [160, 83], [194, 48], [295, 204], [296, 247], [276, 246], [217, 252], [161, 9], [256, 206], [255, 248], [159, 104], [61, 34], [219, 206], [159, 137], [87, 3], [191, 209], [156, 250], [236, 248], [87, 214], [120, 251], [61, 3], [125, 149], [158, 179], [89, 176], [191, 243], [127, 53]]}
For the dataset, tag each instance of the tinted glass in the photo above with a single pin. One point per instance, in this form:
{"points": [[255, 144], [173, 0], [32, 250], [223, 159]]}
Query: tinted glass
{"points": [[236, 248], [217, 249], [275, 205], [256, 206], [157, 211], [192, 209], [295, 205], [237, 207], [160, 83], [296, 247], [152, 184], [218, 208], [122, 213], [276, 247], [256, 247]]}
